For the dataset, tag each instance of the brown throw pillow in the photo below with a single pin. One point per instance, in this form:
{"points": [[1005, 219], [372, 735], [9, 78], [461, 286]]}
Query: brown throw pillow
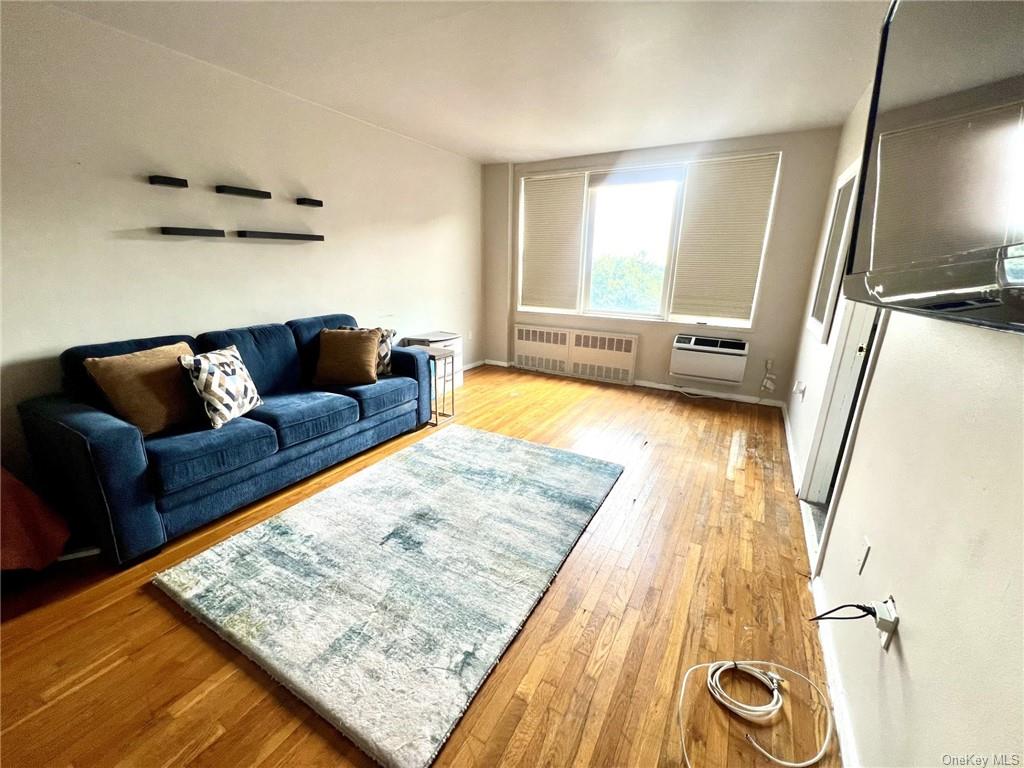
{"points": [[147, 388], [348, 357]]}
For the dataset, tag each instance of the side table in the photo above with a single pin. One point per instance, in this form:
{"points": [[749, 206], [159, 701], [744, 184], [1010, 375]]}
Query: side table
{"points": [[438, 400]]}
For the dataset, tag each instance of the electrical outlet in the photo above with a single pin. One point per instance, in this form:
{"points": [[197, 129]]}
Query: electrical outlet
{"points": [[863, 559], [800, 389], [886, 620], [768, 382]]}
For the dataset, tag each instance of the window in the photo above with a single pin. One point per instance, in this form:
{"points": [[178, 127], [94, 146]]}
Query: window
{"points": [[826, 295], [631, 220], [681, 242]]}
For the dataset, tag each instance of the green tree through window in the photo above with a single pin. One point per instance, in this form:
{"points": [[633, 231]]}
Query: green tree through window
{"points": [[626, 283], [629, 245]]}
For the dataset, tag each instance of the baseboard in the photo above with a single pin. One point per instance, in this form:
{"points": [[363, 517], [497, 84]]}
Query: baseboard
{"points": [[836, 692], [795, 470], [478, 363], [710, 393], [810, 537]]}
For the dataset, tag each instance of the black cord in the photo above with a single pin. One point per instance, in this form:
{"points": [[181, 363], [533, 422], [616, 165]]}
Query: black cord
{"points": [[866, 611]]}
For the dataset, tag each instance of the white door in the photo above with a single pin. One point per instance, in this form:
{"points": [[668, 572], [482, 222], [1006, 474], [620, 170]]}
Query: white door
{"points": [[841, 391]]}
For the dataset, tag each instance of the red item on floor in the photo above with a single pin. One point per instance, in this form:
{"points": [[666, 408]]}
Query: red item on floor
{"points": [[32, 535]]}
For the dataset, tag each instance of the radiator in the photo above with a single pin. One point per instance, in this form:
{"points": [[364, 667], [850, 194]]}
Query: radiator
{"points": [[598, 355]]}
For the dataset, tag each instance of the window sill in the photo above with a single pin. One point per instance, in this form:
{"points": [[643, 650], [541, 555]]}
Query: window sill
{"points": [[710, 324]]}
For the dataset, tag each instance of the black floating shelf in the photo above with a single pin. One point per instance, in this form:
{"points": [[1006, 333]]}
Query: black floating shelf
{"points": [[168, 181], [253, 234], [224, 189], [312, 202], [192, 232]]}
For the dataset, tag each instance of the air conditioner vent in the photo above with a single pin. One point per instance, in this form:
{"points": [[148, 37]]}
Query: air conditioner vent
{"points": [[710, 343], [732, 344]]}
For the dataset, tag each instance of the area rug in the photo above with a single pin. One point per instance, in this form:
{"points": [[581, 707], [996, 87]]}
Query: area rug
{"points": [[384, 601]]}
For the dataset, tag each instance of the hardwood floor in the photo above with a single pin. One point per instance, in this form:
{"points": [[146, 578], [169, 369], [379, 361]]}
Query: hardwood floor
{"points": [[698, 554]]}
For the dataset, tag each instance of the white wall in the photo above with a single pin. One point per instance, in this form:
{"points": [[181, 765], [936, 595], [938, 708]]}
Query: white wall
{"points": [[807, 161], [497, 221], [89, 112], [814, 358], [936, 483]]}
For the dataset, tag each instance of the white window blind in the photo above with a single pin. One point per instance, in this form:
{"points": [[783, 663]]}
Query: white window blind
{"points": [[552, 231], [726, 210]]}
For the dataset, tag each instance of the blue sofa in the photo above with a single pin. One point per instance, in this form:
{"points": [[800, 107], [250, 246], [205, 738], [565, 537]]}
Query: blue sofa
{"points": [[137, 493]]}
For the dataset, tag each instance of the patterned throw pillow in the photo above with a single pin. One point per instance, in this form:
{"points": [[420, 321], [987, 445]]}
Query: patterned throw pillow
{"points": [[387, 336], [223, 382]]}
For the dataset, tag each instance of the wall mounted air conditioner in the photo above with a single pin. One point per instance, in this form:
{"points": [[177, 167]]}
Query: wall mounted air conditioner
{"points": [[710, 359]]}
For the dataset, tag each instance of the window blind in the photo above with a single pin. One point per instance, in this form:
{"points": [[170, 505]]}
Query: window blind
{"points": [[552, 232], [945, 188], [726, 208]]}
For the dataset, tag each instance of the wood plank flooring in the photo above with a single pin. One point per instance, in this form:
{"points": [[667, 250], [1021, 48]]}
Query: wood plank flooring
{"points": [[696, 555]]}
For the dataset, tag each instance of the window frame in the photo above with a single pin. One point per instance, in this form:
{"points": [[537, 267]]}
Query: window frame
{"points": [[822, 329], [587, 257], [665, 315]]}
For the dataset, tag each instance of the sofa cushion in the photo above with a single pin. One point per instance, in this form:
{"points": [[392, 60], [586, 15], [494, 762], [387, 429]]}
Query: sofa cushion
{"points": [[304, 415], [306, 331], [81, 386], [268, 351], [239, 482], [178, 461], [386, 393]]}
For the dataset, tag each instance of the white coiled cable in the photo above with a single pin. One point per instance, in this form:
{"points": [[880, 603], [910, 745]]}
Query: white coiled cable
{"points": [[761, 714]]}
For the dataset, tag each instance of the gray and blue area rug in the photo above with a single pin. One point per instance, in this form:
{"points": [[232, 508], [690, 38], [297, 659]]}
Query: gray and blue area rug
{"points": [[384, 601]]}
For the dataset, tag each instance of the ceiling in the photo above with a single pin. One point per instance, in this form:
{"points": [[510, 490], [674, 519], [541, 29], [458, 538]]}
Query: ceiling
{"points": [[527, 81]]}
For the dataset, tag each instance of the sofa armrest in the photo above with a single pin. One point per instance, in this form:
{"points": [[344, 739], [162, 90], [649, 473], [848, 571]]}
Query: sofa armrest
{"points": [[93, 465], [414, 363]]}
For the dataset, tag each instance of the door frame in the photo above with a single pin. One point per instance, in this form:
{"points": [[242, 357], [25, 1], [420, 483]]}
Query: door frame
{"points": [[881, 322], [823, 329], [849, 336]]}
